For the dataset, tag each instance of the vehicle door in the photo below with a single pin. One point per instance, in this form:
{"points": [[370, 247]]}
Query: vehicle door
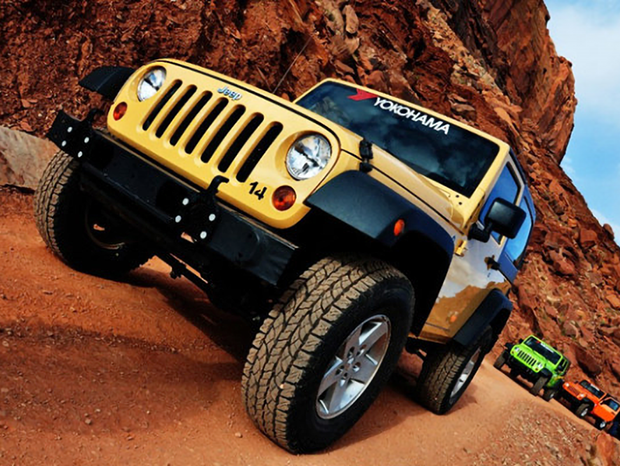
{"points": [[482, 266]]}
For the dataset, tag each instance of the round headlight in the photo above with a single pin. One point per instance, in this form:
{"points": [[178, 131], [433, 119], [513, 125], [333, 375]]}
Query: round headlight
{"points": [[308, 156], [151, 83]]}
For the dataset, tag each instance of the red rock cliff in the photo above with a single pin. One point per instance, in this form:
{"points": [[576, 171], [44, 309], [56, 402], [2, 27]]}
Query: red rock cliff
{"points": [[490, 63]]}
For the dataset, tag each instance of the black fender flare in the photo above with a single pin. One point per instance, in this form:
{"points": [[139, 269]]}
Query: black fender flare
{"points": [[107, 80], [546, 373], [371, 208], [494, 311]]}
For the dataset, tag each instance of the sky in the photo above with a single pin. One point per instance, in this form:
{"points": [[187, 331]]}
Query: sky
{"points": [[587, 32]]}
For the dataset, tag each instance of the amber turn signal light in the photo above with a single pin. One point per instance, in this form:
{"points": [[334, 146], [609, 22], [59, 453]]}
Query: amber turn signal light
{"points": [[283, 198], [399, 227], [119, 111]]}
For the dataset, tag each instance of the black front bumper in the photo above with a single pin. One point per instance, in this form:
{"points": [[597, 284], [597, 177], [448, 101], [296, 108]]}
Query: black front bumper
{"points": [[175, 217], [521, 369]]}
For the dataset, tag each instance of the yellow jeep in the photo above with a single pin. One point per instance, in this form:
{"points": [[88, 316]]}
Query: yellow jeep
{"points": [[347, 224]]}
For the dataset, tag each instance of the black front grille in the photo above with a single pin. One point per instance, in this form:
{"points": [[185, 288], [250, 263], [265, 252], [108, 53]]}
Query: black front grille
{"points": [[163, 126], [158, 107], [190, 117], [222, 132], [205, 125], [201, 118], [258, 152], [239, 142]]}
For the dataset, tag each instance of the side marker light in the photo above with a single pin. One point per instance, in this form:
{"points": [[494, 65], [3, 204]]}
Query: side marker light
{"points": [[119, 111], [399, 227]]}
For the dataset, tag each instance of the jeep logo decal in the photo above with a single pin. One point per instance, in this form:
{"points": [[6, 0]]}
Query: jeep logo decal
{"points": [[228, 93]]}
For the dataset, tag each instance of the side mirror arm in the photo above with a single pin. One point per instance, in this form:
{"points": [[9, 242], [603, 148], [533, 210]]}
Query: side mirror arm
{"points": [[480, 234]]}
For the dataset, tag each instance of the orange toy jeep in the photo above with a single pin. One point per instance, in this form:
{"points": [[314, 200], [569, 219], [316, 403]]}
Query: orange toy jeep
{"points": [[587, 399]]}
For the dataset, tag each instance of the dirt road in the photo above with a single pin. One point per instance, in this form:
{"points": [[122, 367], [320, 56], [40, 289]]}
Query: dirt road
{"points": [[146, 371]]}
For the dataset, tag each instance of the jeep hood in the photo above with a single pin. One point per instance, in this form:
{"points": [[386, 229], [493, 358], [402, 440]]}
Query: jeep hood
{"points": [[418, 188]]}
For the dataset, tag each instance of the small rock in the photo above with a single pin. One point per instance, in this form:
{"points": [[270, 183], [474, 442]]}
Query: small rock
{"points": [[352, 23], [613, 300], [587, 361], [5, 343], [587, 238], [570, 329], [238, 434], [376, 80], [464, 110], [561, 264], [88, 421]]}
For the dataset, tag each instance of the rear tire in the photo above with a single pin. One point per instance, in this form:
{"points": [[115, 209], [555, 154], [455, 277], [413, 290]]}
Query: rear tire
{"points": [[76, 228], [448, 371], [549, 394], [325, 350]]}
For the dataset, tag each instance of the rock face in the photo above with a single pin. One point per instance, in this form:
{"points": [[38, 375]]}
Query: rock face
{"points": [[489, 63], [23, 158]]}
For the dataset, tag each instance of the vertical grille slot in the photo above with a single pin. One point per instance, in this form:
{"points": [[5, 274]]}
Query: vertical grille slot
{"points": [[164, 100], [221, 134], [204, 126], [189, 118], [258, 152], [163, 126], [239, 142]]}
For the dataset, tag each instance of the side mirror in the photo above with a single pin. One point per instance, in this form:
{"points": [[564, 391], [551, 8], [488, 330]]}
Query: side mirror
{"points": [[503, 217], [520, 340]]}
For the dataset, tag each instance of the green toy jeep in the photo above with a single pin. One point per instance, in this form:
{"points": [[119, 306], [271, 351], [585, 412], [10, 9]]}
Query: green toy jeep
{"points": [[538, 362]]}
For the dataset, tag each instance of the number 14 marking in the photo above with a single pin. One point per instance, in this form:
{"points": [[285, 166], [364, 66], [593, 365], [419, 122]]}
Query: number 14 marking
{"points": [[258, 192]]}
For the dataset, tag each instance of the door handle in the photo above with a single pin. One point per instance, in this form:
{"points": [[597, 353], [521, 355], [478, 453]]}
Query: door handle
{"points": [[492, 263]]}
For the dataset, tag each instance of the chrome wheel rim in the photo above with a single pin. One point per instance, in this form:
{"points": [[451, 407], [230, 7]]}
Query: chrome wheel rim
{"points": [[467, 373], [353, 367]]}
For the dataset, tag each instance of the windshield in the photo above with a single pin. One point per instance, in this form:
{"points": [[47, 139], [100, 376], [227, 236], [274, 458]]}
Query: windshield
{"points": [[613, 404], [439, 150], [592, 389], [545, 351]]}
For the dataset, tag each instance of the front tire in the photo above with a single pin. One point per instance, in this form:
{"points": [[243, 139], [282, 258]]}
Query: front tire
{"points": [[501, 360], [582, 410], [600, 424], [310, 374], [538, 385], [76, 228], [448, 371]]}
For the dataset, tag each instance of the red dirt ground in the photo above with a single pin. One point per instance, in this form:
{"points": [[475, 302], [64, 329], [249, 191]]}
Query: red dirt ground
{"points": [[147, 371]]}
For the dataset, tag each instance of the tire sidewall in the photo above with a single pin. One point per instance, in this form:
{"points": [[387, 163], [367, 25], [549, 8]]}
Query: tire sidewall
{"points": [[71, 239], [452, 400], [500, 361], [549, 394], [390, 298], [581, 411]]}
